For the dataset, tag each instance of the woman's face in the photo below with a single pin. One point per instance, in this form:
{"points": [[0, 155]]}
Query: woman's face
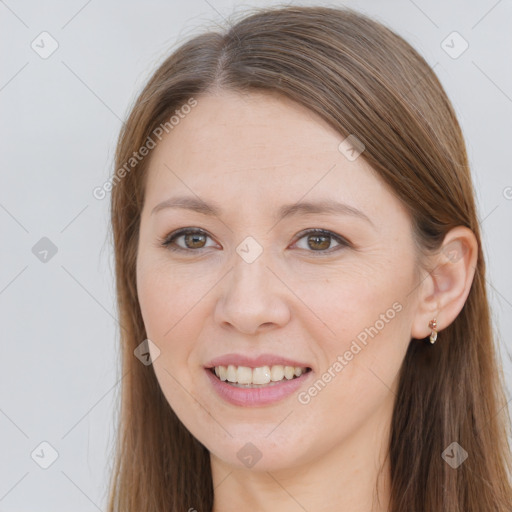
{"points": [[255, 290]]}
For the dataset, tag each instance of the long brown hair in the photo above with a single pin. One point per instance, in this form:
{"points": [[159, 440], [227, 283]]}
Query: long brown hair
{"points": [[363, 79]]}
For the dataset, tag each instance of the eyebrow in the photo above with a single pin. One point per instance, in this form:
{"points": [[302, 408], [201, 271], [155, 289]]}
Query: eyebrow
{"points": [[325, 206]]}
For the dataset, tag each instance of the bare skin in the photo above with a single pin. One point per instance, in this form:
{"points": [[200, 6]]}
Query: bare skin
{"points": [[301, 298]]}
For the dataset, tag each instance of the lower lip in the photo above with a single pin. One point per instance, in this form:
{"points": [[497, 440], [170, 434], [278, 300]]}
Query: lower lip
{"points": [[254, 397]]}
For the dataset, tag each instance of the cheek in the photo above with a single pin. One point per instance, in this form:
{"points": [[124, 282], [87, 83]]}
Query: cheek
{"points": [[359, 373], [349, 300], [367, 318], [167, 307], [173, 308], [164, 297]]}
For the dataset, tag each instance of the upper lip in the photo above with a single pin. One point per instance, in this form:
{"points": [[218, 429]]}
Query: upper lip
{"points": [[254, 362]]}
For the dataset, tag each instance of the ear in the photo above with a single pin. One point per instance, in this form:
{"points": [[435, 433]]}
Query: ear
{"points": [[445, 289]]}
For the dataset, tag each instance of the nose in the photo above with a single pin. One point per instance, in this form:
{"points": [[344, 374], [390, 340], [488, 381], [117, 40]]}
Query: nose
{"points": [[252, 298]]}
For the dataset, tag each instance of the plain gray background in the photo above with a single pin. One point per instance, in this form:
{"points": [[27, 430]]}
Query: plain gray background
{"points": [[60, 117]]}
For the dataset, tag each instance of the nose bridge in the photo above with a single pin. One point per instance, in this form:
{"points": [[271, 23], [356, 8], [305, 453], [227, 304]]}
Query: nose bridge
{"points": [[250, 276], [252, 296]]}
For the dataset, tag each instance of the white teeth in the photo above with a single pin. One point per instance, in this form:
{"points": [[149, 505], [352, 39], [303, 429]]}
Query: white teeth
{"points": [[277, 373], [289, 372], [259, 376], [231, 373], [244, 375]]}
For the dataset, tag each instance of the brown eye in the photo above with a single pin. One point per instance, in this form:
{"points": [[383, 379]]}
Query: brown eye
{"points": [[320, 240], [193, 239]]}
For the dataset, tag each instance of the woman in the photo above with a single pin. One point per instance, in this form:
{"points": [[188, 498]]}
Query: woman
{"points": [[301, 281]]}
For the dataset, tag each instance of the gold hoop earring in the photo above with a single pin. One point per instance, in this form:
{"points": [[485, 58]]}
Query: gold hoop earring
{"points": [[433, 335]]}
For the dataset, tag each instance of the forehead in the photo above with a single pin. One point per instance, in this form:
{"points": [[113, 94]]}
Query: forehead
{"points": [[258, 148]]}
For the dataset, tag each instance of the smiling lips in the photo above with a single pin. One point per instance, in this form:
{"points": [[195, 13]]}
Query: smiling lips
{"points": [[259, 381]]}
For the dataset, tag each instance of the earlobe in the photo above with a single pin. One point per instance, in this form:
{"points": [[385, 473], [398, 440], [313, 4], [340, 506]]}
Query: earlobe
{"points": [[445, 290]]}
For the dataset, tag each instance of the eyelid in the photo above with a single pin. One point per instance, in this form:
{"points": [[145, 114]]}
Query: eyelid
{"points": [[168, 240]]}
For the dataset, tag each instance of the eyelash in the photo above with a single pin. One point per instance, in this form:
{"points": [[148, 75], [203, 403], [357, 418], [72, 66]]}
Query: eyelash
{"points": [[169, 240]]}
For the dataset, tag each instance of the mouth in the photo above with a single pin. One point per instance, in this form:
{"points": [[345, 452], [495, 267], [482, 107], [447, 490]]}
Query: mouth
{"points": [[257, 381], [259, 377]]}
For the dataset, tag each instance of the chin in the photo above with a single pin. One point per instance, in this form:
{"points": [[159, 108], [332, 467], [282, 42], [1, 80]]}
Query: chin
{"points": [[257, 451]]}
